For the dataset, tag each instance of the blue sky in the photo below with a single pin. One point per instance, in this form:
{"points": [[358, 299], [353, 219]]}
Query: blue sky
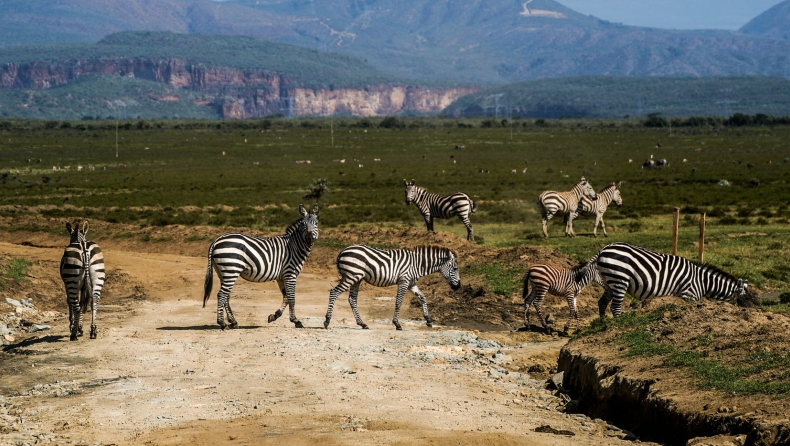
{"points": [[674, 14]]}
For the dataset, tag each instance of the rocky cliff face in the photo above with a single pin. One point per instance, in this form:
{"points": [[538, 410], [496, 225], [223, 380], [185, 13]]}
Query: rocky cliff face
{"points": [[241, 93]]}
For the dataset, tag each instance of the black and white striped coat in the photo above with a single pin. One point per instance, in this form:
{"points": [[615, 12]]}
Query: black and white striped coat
{"points": [[441, 206], [387, 267], [589, 207], [257, 259], [642, 273], [552, 203], [82, 272], [547, 278]]}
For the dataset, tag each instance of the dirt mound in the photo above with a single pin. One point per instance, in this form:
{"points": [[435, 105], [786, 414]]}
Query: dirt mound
{"points": [[697, 369]]}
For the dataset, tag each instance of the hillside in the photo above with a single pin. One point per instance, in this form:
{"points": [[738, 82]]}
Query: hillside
{"points": [[630, 96], [473, 41], [772, 24]]}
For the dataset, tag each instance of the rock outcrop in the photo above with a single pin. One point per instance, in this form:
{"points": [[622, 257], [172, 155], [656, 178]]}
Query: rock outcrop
{"points": [[240, 93]]}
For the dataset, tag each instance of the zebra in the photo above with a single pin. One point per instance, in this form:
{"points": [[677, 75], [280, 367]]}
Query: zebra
{"points": [[82, 272], [387, 267], [552, 203], [642, 273], [547, 278], [257, 259], [598, 206], [437, 206]]}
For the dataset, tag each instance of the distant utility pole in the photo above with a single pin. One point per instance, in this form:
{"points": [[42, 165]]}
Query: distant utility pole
{"points": [[496, 104], [726, 101], [116, 139]]}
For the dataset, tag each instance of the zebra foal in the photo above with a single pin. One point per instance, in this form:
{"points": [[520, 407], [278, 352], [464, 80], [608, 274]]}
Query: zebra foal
{"points": [[552, 203], [82, 272], [642, 273], [438, 206], [257, 259], [547, 278], [387, 267], [597, 207]]}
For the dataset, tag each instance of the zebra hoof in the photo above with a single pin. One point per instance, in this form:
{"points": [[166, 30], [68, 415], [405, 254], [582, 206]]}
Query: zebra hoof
{"points": [[233, 324], [326, 323], [222, 326], [73, 337], [80, 333], [298, 324], [398, 327], [364, 326], [429, 324], [93, 333]]}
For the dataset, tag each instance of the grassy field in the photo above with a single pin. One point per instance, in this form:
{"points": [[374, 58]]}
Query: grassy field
{"points": [[223, 174]]}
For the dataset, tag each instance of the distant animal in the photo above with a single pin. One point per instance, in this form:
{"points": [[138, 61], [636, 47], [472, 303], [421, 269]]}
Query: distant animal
{"points": [[588, 207], [459, 147], [547, 278], [257, 259], [642, 273], [441, 206], [82, 272], [648, 164], [552, 203], [387, 267], [662, 163]]}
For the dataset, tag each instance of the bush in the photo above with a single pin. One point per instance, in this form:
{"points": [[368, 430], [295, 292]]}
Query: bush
{"points": [[784, 298]]}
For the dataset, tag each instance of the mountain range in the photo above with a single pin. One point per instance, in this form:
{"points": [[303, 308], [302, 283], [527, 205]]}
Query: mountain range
{"points": [[469, 41]]}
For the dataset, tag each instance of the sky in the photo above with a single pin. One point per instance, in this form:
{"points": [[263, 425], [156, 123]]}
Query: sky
{"points": [[674, 14]]}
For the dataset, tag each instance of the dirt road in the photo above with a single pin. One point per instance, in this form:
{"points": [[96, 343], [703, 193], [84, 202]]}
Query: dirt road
{"points": [[161, 372]]}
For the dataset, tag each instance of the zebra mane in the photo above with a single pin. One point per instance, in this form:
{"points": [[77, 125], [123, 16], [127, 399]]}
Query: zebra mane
{"points": [[609, 187], [444, 250], [293, 226], [716, 270]]}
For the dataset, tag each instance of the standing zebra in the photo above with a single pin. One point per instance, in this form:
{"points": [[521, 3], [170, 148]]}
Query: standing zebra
{"points": [[82, 272], [589, 207], [257, 259], [387, 267], [437, 206], [546, 278], [626, 268], [552, 203]]}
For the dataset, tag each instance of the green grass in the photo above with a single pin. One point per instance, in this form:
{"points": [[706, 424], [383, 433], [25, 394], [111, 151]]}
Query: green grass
{"points": [[626, 320], [500, 278], [639, 342], [17, 269]]}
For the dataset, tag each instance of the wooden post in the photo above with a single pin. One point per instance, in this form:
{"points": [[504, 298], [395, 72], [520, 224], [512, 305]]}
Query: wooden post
{"points": [[676, 219], [702, 238]]}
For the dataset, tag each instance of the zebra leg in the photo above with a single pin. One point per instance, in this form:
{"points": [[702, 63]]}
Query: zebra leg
{"points": [[545, 221], [617, 301], [538, 302], [528, 305], [398, 301], [227, 280], [74, 319], [569, 225], [94, 309], [603, 302], [571, 298], [341, 288], [470, 234], [276, 315], [603, 226], [419, 294], [352, 300]]}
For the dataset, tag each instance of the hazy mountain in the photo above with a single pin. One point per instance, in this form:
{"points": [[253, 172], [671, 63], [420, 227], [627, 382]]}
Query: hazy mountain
{"points": [[477, 41], [772, 24]]}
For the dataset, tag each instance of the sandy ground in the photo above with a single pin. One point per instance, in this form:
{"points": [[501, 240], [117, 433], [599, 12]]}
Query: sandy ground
{"points": [[161, 372]]}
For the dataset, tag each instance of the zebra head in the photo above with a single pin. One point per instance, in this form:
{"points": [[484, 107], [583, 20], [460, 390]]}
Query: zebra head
{"points": [[77, 234], [616, 194], [308, 225], [586, 188], [411, 191], [449, 269]]}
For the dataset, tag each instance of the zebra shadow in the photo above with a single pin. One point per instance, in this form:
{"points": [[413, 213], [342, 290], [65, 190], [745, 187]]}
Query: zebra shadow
{"points": [[208, 327], [33, 341]]}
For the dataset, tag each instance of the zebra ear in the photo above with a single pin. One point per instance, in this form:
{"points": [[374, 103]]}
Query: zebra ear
{"points": [[619, 183], [405, 183], [85, 227], [302, 210], [315, 209], [69, 228]]}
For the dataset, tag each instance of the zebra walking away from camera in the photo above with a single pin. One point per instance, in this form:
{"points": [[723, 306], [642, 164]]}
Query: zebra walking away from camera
{"points": [[82, 272], [547, 278], [257, 259], [589, 207], [437, 206], [642, 273], [552, 203], [387, 267]]}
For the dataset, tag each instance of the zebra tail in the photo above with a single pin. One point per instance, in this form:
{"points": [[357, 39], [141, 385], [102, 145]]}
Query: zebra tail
{"points": [[209, 277], [474, 206], [525, 293]]}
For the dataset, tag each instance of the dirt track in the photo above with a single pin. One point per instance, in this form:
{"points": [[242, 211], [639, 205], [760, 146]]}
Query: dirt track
{"points": [[161, 372]]}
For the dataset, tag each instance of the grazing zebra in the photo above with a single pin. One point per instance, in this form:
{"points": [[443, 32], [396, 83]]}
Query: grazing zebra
{"points": [[257, 259], [82, 272], [597, 207], [552, 203], [626, 268], [387, 267], [546, 278], [437, 206]]}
